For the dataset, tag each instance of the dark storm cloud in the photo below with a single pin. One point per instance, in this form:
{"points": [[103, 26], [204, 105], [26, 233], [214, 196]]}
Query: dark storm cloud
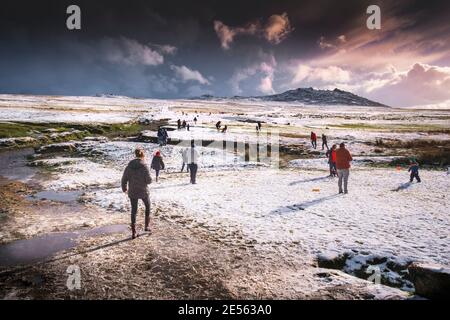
{"points": [[172, 49]]}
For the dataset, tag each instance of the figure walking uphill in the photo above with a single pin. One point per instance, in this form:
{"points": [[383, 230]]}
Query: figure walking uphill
{"points": [[157, 164], [135, 181], [192, 160], [313, 140], [414, 169]]}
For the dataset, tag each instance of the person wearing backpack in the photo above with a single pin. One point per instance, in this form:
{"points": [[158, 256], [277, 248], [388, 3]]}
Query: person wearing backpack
{"points": [[157, 164]]}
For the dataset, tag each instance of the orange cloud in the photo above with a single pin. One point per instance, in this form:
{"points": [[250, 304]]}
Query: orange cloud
{"points": [[275, 30]]}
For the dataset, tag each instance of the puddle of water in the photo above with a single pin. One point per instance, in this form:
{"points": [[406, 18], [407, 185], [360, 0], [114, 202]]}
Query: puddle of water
{"points": [[58, 196], [42, 247], [115, 228], [13, 165], [32, 250]]}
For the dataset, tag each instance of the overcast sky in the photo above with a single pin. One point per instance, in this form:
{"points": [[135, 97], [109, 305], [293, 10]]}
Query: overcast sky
{"points": [[175, 49]]}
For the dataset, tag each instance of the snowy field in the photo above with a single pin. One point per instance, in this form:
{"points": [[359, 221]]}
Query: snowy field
{"points": [[295, 210]]}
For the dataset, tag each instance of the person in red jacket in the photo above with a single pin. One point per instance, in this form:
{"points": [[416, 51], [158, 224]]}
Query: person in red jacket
{"points": [[314, 139], [343, 158]]}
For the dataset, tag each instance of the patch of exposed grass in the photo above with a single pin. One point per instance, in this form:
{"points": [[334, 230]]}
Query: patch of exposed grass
{"points": [[361, 126], [394, 127], [13, 129], [43, 133], [29, 129]]}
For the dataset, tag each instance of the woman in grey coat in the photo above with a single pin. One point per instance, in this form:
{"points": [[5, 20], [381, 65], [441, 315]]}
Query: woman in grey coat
{"points": [[135, 180]]}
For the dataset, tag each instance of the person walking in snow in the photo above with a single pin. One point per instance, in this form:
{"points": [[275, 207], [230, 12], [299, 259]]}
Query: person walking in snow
{"points": [[414, 169], [160, 135], [259, 125], [135, 181], [184, 156], [183, 125], [343, 158], [324, 141], [178, 124], [224, 130], [157, 164], [313, 140], [331, 155], [165, 136], [192, 160], [195, 120], [218, 124]]}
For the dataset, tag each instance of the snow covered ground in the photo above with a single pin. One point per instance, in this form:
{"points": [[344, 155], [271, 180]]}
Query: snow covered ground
{"points": [[296, 211]]}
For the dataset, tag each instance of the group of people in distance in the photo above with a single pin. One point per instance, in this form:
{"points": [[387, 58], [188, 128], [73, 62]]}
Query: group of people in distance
{"points": [[339, 162], [183, 125], [314, 140], [219, 127]]}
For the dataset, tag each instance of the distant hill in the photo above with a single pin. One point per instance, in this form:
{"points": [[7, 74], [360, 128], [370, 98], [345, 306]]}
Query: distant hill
{"points": [[308, 96]]}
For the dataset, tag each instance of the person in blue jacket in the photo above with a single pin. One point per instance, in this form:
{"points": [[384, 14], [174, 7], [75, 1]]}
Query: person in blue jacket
{"points": [[414, 169]]}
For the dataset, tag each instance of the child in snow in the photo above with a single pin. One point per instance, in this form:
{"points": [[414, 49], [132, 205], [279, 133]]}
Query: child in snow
{"points": [[414, 169], [157, 164]]}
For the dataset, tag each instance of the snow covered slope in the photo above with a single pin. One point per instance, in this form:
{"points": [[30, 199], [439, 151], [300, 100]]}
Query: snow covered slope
{"points": [[309, 96]]}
